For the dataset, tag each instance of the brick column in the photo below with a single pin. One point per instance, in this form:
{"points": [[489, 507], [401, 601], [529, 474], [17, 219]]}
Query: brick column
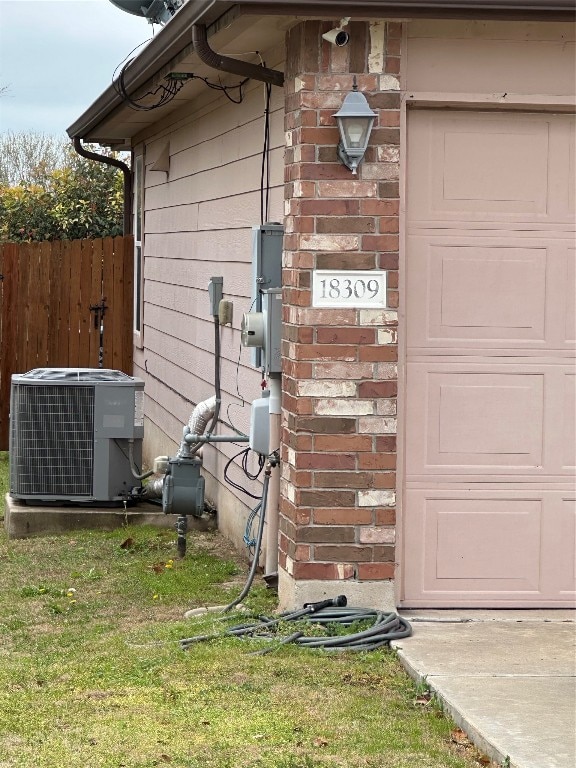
{"points": [[338, 488]]}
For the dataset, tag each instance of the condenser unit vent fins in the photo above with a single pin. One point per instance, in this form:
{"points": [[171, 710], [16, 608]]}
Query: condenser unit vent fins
{"points": [[52, 440]]}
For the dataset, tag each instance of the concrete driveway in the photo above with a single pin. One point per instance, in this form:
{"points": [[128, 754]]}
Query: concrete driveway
{"points": [[507, 678]]}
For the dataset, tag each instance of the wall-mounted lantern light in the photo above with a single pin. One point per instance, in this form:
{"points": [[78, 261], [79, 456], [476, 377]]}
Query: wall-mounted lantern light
{"points": [[355, 120]]}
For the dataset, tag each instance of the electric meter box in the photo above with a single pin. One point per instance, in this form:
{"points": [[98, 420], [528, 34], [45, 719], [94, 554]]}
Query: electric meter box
{"points": [[267, 244]]}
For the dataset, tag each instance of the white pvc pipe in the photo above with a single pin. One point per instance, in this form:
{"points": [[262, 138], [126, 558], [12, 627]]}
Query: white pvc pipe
{"points": [[273, 509]]}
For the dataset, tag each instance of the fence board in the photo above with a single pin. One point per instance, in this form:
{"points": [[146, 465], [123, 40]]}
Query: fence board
{"points": [[55, 271], [1, 293], [8, 351], [107, 293], [63, 303], [33, 304], [127, 317], [95, 298], [45, 317], [74, 304], [45, 308], [85, 325], [117, 295]]}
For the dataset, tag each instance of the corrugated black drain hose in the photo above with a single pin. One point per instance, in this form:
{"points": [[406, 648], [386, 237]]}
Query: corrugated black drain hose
{"points": [[330, 614]]}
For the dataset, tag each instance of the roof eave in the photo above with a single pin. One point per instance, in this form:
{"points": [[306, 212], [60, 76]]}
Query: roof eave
{"points": [[176, 35]]}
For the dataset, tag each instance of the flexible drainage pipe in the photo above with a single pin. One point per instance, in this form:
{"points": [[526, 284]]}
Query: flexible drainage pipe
{"points": [[384, 628]]}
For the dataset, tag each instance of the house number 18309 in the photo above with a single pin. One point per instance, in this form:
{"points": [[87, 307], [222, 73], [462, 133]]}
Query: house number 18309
{"points": [[349, 288]]}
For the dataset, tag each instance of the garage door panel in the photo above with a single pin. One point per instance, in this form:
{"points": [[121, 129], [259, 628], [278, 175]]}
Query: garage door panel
{"points": [[473, 419], [467, 418], [506, 151], [490, 548], [490, 167], [493, 289], [484, 293], [486, 540]]}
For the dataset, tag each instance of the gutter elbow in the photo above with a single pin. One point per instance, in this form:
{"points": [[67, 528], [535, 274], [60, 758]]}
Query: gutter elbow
{"points": [[227, 64]]}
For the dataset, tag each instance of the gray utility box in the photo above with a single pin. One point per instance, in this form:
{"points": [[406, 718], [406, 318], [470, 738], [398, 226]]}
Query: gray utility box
{"points": [[267, 244], [69, 433], [272, 312]]}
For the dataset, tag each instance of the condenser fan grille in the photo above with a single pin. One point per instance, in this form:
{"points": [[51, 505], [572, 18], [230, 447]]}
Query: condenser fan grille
{"points": [[52, 440]]}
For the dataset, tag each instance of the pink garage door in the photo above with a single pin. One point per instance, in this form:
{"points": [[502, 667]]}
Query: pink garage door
{"points": [[489, 497]]}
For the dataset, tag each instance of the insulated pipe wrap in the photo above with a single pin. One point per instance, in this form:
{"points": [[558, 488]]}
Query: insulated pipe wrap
{"points": [[201, 415], [197, 424]]}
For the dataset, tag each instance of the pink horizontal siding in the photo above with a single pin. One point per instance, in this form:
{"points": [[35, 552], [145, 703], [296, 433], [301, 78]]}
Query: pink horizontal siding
{"points": [[198, 220]]}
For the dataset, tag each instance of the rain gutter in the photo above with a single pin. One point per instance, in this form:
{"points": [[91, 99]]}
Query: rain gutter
{"points": [[174, 38], [544, 10]]}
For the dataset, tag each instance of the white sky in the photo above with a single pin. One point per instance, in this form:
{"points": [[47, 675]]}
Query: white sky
{"points": [[58, 56]]}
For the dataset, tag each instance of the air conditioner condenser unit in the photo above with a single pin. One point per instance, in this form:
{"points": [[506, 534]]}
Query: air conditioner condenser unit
{"points": [[70, 433]]}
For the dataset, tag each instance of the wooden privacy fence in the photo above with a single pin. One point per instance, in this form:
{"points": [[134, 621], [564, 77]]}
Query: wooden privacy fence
{"points": [[64, 304]]}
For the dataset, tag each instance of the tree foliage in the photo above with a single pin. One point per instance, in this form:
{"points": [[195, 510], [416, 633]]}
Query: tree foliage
{"points": [[49, 192], [27, 158]]}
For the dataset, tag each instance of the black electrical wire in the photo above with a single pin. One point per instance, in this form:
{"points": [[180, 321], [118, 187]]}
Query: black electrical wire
{"points": [[144, 42], [251, 476], [384, 628], [164, 93], [225, 88], [265, 166]]}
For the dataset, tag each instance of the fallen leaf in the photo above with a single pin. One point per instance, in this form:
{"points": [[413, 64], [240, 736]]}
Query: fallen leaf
{"points": [[459, 737], [320, 742], [127, 543]]}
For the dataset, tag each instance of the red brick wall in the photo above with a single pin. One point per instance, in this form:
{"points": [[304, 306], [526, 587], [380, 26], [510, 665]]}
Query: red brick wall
{"points": [[340, 376]]}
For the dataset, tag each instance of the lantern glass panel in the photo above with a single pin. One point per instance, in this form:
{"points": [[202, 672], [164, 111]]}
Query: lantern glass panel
{"points": [[355, 132]]}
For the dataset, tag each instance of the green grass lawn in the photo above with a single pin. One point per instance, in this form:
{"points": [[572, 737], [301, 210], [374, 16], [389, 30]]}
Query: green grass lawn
{"points": [[3, 474], [92, 674]]}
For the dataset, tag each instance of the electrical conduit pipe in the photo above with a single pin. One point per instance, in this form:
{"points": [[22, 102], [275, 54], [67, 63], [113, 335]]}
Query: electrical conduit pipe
{"points": [[275, 408]]}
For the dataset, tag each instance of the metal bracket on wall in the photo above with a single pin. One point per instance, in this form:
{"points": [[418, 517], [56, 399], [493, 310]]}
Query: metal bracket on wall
{"points": [[99, 311]]}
